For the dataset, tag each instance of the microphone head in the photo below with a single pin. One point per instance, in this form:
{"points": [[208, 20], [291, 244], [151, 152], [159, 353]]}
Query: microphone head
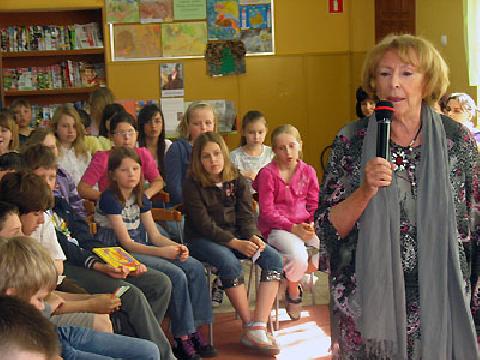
{"points": [[384, 110]]}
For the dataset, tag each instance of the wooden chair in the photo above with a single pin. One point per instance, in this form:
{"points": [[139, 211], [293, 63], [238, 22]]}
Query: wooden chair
{"points": [[165, 214], [90, 209]]}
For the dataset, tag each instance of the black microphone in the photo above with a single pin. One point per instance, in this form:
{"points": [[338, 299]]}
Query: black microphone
{"points": [[383, 114]]}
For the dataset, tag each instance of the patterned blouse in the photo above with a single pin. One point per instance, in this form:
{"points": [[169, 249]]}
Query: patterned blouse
{"points": [[342, 178]]}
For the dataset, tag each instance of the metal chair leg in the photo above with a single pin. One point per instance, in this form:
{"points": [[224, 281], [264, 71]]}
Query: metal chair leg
{"points": [[209, 279], [312, 287]]}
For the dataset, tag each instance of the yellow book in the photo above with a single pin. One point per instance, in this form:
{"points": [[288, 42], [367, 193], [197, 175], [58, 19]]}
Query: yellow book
{"points": [[117, 256]]}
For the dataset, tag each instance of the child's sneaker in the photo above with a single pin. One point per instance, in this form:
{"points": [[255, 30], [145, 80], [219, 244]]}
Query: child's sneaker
{"points": [[202, 347], [185, 350], [217, 293], [250, 339]]}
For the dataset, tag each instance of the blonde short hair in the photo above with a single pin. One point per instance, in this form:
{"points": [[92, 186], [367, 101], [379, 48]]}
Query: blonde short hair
{"points": [[287, 129], [25, 266], [79, 143], [413, 50], [182, 128], [198, 172]]}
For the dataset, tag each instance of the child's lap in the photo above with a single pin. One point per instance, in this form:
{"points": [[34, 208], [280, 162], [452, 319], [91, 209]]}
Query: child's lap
{"points": [[172, 268], [218, 255]]}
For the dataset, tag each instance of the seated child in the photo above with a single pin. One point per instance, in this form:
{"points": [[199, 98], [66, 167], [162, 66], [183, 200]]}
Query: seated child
{"points": [[29, 273], [199, 118], [65, 184], [144, 311], [220, 228], [73, 155], [80, 310], [288, 197], [123, 216], [25, 334], [252, 155], [123, 134], [23, 117]]}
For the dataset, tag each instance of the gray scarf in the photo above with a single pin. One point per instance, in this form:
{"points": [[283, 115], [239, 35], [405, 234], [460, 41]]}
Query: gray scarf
{"points": [[446, 323]]}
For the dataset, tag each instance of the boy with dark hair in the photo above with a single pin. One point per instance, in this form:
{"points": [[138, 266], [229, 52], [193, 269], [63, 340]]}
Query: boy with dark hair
{"points": [[29, 273], [144, 310], [9, 162], [10, 224], [25, 334]]}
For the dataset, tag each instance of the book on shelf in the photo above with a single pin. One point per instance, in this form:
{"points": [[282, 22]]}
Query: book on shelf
{"points": [[50, 37], [117, 256], [67, 74]]}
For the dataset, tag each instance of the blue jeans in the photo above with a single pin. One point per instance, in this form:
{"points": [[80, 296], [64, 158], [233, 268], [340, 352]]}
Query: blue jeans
{"points": [[190, 304], [82, 344], [227, 261]]}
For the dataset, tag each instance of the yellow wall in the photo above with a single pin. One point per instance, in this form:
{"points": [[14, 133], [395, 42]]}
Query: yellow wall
{"points": [[445, 17]]}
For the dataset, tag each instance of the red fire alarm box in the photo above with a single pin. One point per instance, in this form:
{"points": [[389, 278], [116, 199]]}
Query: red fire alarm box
{"points": [[335, 6]]}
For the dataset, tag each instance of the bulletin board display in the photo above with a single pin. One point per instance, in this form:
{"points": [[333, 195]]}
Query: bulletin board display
{"points": [[170, 29]]}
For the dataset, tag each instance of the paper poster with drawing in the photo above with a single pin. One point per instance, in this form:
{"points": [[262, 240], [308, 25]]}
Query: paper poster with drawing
{"points": [[256, 28], [184, 39], [156, 11], [223, 20], [137, 41], [122, 11], [171, 79]]}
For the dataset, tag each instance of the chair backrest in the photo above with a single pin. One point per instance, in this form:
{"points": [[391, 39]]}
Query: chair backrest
{"points": [[90, 209], [160, 214]]}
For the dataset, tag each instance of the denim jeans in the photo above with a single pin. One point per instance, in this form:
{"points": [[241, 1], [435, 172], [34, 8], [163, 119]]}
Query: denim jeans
{"points": [[227, 261], [81, 343], [144, 303], [190, 304]]}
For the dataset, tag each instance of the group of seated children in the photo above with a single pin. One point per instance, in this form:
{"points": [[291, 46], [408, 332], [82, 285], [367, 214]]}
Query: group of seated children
{"points": [[76, 289]]}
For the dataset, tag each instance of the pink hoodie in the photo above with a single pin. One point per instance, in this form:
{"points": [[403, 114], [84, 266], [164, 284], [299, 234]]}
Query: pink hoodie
{"points": [[283, 205]]}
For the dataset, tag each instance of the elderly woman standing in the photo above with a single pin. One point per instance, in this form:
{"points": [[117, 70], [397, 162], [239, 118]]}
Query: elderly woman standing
{"points": [[398, 234]]}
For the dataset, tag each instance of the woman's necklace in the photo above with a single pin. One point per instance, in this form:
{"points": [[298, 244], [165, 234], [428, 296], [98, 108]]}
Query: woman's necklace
{"points": [[404, 159]]}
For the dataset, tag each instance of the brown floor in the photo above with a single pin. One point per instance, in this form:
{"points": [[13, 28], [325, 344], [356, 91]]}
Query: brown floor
{"points": [[307, 338]]}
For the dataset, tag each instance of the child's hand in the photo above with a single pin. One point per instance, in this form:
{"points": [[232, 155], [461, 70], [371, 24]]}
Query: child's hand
{"points": [[304, 231], [257, 241], [183, 252], [120, 272], [170, 252], [139, 271], [104, 303], [55, 301], [247, 248]]}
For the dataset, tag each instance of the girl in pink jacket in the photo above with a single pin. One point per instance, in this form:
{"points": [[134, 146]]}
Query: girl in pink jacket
{"points": [[288, 197]]}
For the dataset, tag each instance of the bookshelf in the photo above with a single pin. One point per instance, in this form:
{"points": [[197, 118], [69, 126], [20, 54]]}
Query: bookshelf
{"points": [[51, 56]]}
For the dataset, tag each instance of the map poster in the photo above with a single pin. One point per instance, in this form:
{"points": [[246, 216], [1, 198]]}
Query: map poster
{"points": [[184, 39], [137, 41]]}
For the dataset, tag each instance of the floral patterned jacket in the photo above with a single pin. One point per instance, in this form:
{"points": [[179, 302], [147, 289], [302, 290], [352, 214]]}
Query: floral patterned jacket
{"points": [[342, 178]]}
